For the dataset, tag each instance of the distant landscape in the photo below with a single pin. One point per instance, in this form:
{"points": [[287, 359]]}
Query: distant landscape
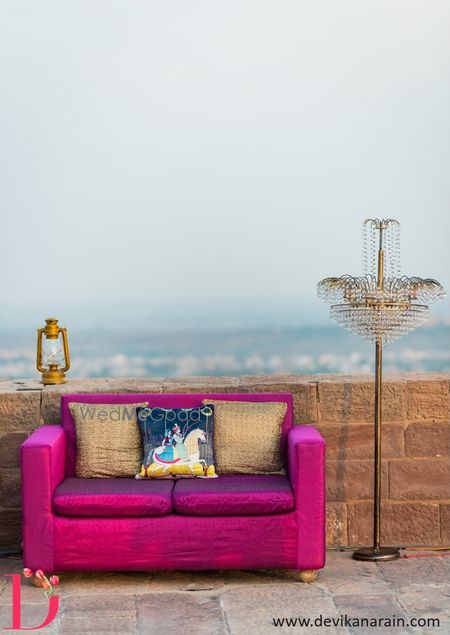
{"points": [[227, 351]]}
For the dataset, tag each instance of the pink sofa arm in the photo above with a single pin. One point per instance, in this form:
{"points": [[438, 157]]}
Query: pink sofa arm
{"points": [[42, 461], [306, 469]]}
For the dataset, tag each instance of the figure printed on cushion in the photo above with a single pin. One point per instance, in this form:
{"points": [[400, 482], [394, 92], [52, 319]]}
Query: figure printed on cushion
{"points": [[181, 450], [177, 442], [172, 447], [168, 439]]}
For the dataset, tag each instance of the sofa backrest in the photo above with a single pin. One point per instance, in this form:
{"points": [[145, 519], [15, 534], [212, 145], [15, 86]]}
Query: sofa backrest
{"points": [[166, 400]]}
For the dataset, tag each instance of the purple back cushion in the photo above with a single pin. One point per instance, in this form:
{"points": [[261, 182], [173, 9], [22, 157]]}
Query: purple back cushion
{"points": [[163, 401]]}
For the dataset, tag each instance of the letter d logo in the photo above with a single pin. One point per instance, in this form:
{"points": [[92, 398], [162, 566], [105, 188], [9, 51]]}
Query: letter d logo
{"points": [[16, 607]]}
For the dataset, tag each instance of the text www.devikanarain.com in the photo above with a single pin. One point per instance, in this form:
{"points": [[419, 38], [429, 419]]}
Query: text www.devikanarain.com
{"points": [[356, 622]]}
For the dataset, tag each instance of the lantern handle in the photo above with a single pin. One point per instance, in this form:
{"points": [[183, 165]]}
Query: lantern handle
{"points": [[63, 332], [39, 351]]}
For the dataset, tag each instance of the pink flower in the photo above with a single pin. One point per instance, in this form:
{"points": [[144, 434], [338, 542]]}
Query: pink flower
{"points": [[40, 574], [27, 572], [54, 580]]}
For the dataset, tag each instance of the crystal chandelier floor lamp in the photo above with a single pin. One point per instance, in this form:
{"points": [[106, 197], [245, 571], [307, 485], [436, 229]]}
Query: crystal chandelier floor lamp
{"points": [[380, 306]]}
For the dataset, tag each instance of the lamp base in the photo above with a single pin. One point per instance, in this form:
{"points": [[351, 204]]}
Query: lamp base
{"points": [[51, 377], [383, 554]]}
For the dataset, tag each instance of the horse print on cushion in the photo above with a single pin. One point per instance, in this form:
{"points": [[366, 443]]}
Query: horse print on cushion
{"points": [[177, 442]]}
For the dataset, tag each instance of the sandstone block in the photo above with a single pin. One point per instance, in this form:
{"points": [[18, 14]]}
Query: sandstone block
{"points": [[419, 479], [303, 390], [420, 573], [345, 576], [353, 402], [376, 606], [10, 528], [434, 603], [10, 487], [401, 524], [99, 606], [445, 524], [8, 385], [19, 410], [9, 448], [200, 385], [428, 400], [356, 441], [102, 624], [130, 384], [353, 480], [336, 524], [250, 611], [427, 439], [51, 407], [204, 612]]}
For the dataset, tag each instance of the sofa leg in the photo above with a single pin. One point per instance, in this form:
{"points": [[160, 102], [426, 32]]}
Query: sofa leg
{"points": [[307, 575]]}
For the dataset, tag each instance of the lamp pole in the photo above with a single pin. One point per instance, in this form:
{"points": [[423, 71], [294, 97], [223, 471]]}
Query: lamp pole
{"points": [[377, 552]]}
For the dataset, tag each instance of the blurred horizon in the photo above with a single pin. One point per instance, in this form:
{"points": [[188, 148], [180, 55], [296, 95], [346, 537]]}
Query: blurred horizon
{"points": [[143, 352]]}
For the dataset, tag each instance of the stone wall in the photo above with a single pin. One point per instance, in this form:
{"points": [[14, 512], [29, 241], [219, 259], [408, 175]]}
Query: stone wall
{"points": [[416, 440]]}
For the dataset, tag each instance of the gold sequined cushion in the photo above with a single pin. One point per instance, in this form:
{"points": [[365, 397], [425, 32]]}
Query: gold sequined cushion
{"points": [[108, 439], [247, 436]]}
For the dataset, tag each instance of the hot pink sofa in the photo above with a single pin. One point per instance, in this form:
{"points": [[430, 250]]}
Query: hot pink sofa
{"points": [[234, 521]]}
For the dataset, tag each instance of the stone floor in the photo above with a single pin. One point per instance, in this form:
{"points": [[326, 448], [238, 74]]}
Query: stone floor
{"points": [[240, 602]]}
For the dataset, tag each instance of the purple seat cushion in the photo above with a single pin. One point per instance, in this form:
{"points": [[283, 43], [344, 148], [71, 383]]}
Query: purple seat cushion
{"points": [[113, 497], [233, 495]]}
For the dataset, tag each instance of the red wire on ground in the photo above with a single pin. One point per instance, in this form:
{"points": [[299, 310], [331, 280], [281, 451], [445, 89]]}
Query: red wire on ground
{"points": [[424, 555]]}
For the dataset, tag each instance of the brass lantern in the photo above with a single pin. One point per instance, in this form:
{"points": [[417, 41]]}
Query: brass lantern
{"points": [[52, 358]]}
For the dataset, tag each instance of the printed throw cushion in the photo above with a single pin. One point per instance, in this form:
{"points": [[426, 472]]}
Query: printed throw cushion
{"points": [[108, 439], [177, 442], [247, 436]]}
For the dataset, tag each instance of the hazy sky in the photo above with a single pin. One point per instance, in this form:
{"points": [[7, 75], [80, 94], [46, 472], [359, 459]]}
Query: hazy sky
{"points": [[175, 156]]}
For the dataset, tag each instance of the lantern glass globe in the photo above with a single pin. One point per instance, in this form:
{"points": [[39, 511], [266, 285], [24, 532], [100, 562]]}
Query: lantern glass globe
{"points": [[52, 352]]}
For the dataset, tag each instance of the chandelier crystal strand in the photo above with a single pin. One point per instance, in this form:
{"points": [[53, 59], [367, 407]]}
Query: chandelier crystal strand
{"points": [[369, 251], [392, 248]]}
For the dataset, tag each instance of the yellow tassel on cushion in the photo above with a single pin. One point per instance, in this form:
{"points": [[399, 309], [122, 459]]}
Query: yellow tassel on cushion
{"points": [[158, 471], [196, 469]]}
